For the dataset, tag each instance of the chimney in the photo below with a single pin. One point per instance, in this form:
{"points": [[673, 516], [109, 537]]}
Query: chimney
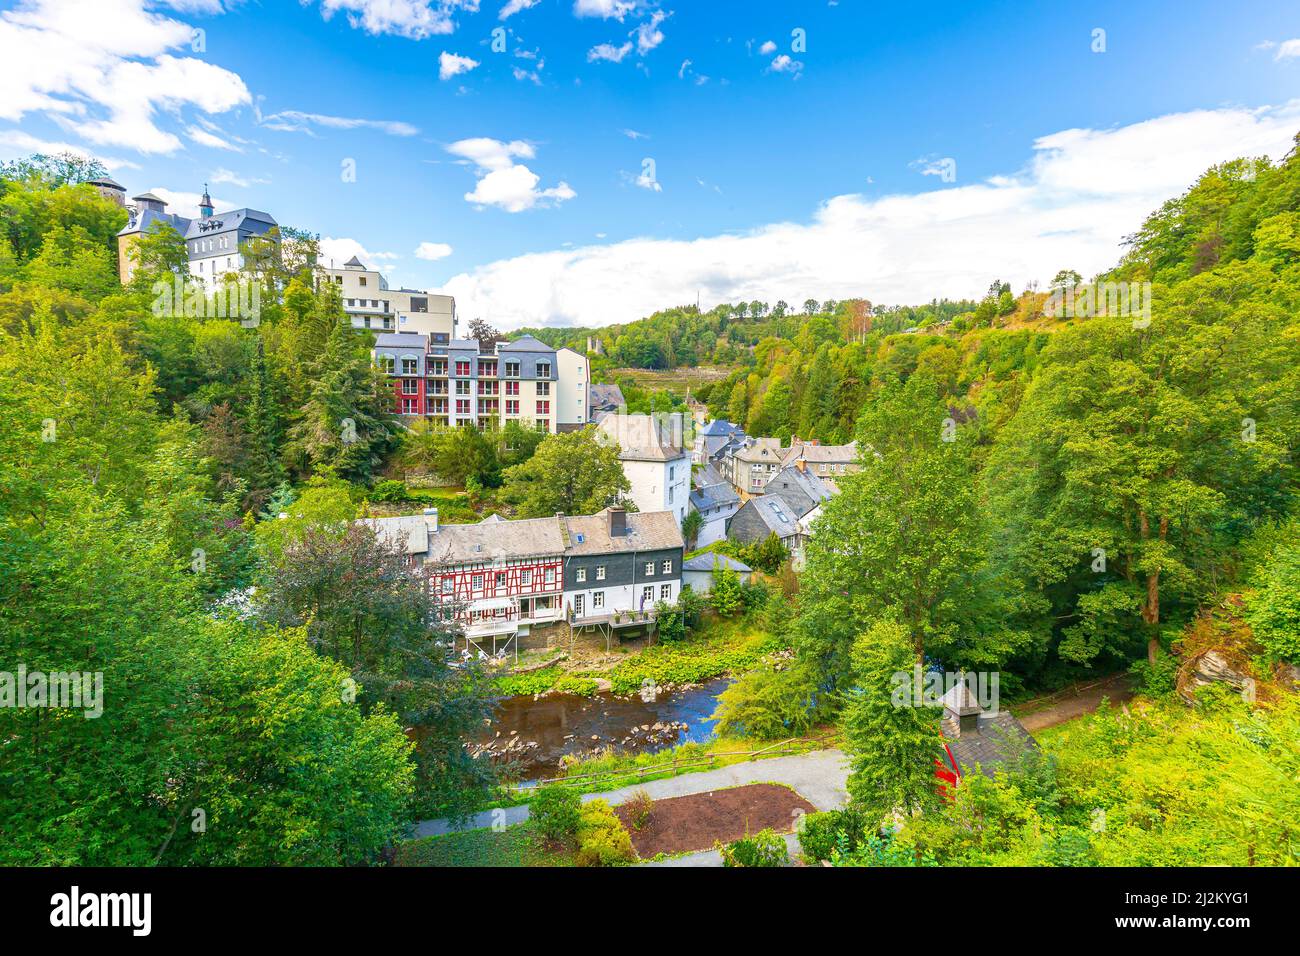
{"points": [[431, 518], [801, 464], [617, 522]]}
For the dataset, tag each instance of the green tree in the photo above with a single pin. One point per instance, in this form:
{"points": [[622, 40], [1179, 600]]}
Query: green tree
{"points": [[892, 742], [572, 472], [726, 596]]}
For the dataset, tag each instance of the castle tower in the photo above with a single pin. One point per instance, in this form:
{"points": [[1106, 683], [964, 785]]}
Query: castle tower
{"points": [[205, 204]]}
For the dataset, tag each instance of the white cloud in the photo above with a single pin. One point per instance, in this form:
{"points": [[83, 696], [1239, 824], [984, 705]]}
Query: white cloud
{"points": [[103, 70], [607, 51], [648, 34], [296, 121], [14, 143], [502, 182], [186, 203], [1079, 193], [1287, 49], [515, 6], [767, 48], [605, 9], [432, 251], [534, 76], [205, 138], [223, 175], [413, 19], [450, 64], [340, 250], [783, 64], [635, 134]]}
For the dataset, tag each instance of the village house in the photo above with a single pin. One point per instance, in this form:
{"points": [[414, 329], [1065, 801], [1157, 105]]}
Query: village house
{"points": [[698, 572], [715, 504], [516, 583], [752, 462], [827, 462], [655, 462]]}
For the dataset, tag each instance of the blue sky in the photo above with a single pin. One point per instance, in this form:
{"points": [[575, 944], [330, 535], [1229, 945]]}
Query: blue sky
{"points": [[603, 158]]}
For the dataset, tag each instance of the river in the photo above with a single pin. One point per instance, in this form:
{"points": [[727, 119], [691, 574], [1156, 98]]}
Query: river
{"points": [[550, 727]]}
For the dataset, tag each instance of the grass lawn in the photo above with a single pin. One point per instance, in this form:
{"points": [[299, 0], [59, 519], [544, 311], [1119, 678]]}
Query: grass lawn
{"points": [[513, 846]]}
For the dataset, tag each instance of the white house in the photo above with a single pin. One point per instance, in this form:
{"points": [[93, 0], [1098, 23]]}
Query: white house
{"points": [[697, 572], [655, 461]]}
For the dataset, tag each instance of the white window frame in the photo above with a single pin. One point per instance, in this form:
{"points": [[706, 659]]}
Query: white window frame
{"points": [[668, 566], [600, 572], [581, 575]]}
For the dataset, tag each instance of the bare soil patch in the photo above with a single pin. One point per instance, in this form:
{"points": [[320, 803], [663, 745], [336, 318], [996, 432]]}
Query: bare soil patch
{"points": [[697, 821]]}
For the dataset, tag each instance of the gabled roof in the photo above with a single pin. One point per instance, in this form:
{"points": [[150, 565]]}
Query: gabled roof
{"points": [[714, 496], [646, 531], [719, 426], [234, 220], [409, 340], [706, 475], [819, 454], [1000, 739], [525, 343], [606, 396], [704, 562], [641, 438], [801, 490], [774, 513], [145, 219], [489, 541], [409, 532]]}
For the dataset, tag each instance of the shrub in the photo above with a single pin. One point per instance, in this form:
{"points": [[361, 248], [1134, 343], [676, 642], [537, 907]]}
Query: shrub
{"points": [[1273, 611], [392, 491], [821, 834], [1159, 679], [602, 838], [767, 704], [556, 812], [764, 848], [640, 808]]}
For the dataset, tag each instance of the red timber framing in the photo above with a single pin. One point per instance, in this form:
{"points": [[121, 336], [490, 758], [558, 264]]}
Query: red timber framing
{"points": [[507, 584]]}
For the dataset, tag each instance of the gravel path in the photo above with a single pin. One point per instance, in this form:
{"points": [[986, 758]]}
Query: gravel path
{"points": [[819, 777]]}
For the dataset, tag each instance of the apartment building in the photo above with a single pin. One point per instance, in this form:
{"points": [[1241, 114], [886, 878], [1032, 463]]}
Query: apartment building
{"points": [[502, 580], [370, 304], [485, 384]]}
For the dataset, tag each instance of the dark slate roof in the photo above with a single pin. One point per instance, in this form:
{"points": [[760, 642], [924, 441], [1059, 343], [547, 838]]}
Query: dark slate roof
{"points": [[354, 261], [713, 496], [235, 220], [1000, 739], [719, 426], [145, 219], [704, 562], [774, 513], [801, 490], [525, 343], [107, 181], [606, 396], [707, 475], [411, 340]]}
